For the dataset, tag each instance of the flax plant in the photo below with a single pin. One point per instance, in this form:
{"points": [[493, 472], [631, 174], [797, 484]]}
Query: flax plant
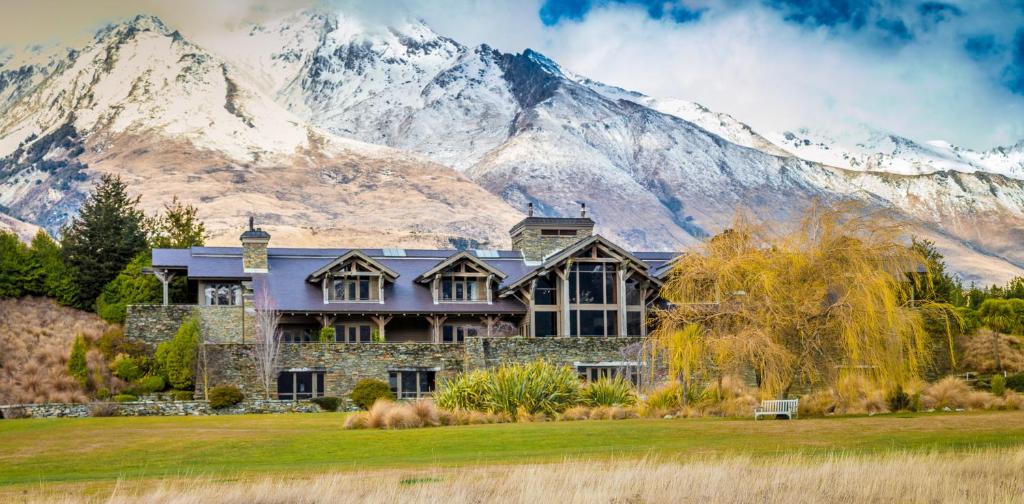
{"points": [[834, 294]]}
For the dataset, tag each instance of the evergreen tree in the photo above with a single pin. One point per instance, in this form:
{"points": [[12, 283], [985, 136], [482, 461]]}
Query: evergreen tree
{"points": [[131, 286], [78, 367], [16, 274], [176, 358], [106, 236], [940, 287], [57, 278]]}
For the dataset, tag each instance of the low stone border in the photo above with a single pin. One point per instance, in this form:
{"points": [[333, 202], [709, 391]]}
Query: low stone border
{"points": [[153, 408]]}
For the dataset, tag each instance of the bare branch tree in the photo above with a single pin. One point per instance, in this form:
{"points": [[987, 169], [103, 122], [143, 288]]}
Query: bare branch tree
{"points": [[266, 349]]}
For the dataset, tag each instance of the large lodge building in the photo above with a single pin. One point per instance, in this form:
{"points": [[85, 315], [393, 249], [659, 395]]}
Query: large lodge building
{"points": [[410, 317]]}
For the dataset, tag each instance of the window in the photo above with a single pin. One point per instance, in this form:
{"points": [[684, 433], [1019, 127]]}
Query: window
{"points": [[452, 333], [411, 384], [557, 232], [634, 323], [299, 334], [295, 385], [544, 291], [592, 283], [353, 289], [593, 372], [456, 288], [223, 294], [546, 322], [353, 333]]}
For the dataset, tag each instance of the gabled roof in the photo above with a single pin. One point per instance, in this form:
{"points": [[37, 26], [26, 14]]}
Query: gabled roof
{"points": [[388, 273], [455, 258], [570, 251]]}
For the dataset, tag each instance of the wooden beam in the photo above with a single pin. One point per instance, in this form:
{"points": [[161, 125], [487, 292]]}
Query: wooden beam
{"points": [[620, 286], [565, 325], [531, 310]]}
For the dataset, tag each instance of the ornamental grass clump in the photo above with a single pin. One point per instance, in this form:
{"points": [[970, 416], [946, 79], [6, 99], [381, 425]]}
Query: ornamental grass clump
{"points": [[609, 392], [538, 387]]}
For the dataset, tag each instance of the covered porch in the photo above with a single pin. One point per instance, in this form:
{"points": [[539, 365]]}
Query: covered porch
{"points": [[439, 328]]}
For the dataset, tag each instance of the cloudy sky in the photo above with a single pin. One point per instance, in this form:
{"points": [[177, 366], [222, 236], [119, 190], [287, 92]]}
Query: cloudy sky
{"points": [[951, 70]]}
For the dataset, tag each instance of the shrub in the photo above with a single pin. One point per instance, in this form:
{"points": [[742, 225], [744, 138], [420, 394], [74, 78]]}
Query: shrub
{"points": [[998, 385], [327, 403], [148, 385], [125, 398], [182, 395], [356, 420], [126, 368], [113, 343], [103, 393], [368, 391], [327, 335], [951, 392], [535, 387], [899, 400], [78, 367], [176, 358], [224, 396], [665, 397], [104, 409], [1016, 382], [609, 392]]}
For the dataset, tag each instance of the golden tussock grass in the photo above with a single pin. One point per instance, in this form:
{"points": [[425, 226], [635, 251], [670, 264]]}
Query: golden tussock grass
{"points": [[35, 343], [387, 414], [991, 476]]}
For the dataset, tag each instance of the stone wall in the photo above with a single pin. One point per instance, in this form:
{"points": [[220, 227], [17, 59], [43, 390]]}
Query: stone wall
{"points": [[490, 352], [155, 324], [536, 246], [155, 408], [223, 324], [343, 364]]}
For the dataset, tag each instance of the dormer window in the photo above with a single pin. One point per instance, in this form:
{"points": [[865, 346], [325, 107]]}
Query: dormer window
{"points": [[460, 288], [462, 278], [353, 278]]}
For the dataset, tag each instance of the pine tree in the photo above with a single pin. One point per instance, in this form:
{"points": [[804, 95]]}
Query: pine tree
{"points": [[106, 236], [13, 268], [57, 278], [78, 367]]}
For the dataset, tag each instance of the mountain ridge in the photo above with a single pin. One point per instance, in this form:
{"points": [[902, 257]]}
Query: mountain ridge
{"points": [[476, 134]]}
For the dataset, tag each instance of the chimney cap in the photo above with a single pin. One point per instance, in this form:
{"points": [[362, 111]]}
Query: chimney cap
{"points": [[529, 209], [583, 209], [254, 233]]}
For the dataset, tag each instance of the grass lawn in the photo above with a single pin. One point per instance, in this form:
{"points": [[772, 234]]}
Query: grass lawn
{"points": [[104, 449]]}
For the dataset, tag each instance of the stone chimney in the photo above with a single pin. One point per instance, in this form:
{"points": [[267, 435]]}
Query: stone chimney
{"points": [[539, 237], [254, 249]]}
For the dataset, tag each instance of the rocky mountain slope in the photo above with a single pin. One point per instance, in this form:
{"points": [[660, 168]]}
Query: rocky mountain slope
{"points": [[278, 119], [173, 119]]}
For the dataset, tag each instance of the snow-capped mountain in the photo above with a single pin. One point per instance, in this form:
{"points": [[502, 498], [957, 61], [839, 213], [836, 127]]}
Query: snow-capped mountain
{"points": [[279, 118], [869, 149], [172, 118]]}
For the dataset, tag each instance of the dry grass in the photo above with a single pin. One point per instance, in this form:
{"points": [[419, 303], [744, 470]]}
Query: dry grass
{"points": [[986, 351], [991, 476], [35, 342], [387, 414]]}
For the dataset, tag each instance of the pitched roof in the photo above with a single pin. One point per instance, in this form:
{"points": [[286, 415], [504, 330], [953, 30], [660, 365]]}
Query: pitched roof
{"points": [[388, 273], [463, 255], [564, 254]]}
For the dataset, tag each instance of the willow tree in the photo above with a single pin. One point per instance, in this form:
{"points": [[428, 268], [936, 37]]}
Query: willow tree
{"points": [[832, 294]]}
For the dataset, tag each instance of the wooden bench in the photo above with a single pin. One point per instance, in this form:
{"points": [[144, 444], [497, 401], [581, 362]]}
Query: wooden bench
{"points": [[778, 407]]}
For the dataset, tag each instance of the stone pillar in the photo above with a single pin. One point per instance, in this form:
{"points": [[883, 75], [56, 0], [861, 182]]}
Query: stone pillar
{"points": [[254, 249]]}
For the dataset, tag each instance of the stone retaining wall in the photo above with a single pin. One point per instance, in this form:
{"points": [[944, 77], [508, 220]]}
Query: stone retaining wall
{"points": [[155, 408], [155, 324], [343, 364], [490, 352], [223, 324]]}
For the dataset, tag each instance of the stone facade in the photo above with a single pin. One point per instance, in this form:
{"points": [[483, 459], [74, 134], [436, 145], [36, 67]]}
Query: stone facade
{"points": [[156, 408], [536, 246], [154, 324], [490, 352], [343, 364], [224, 324]]}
